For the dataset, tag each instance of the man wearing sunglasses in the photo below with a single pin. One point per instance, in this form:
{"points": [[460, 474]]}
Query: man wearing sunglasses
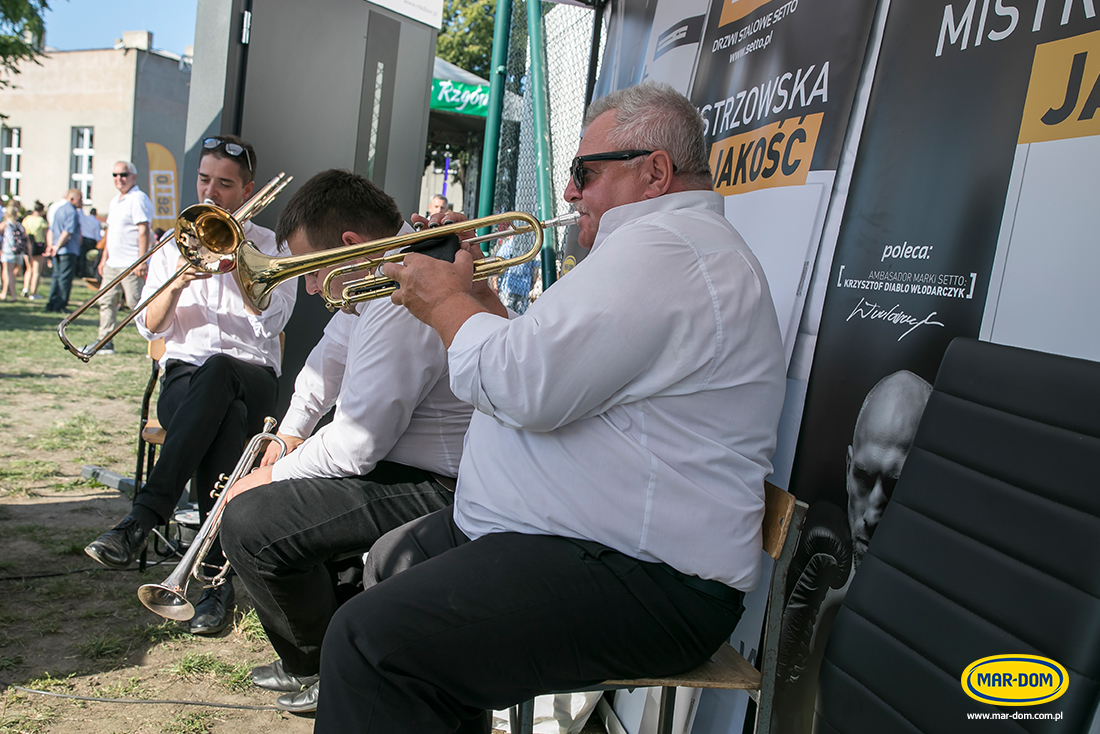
{"points": [[607, 519], [221, 367], [128, 239]]}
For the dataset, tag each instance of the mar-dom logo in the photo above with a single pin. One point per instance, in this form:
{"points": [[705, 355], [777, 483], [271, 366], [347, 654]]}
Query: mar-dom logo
{"points": [[1015, 680]]}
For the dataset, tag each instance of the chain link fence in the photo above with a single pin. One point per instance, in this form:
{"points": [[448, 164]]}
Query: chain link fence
{"points": [[567, 33]]}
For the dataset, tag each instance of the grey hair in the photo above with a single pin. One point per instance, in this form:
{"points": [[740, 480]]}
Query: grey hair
{"points": [[130, 167], [654, 116]]}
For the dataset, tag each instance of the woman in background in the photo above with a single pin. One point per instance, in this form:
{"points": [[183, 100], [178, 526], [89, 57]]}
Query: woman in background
{"points": [[35, 225], [11, 254]]}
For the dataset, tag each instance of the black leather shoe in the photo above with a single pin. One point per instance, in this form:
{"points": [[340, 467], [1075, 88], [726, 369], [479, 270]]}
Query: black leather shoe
{"points": [[300, 703], [274, 678], [214, 611], [119, 546]]}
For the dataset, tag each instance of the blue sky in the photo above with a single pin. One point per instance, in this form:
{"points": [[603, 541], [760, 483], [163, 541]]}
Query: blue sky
{"points": [[73, 25]]}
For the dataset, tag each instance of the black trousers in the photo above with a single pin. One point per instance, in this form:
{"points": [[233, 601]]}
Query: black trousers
{"points": [[280, 536], [452, 628], [209, 413]]}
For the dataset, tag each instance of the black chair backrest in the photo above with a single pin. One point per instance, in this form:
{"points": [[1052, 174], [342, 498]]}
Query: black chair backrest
{"points": [[990, 545]]}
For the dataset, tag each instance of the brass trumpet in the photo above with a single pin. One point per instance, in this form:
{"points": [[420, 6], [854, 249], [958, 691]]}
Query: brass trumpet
{"points": [[169, 599], [259, 273], [207, 237]]}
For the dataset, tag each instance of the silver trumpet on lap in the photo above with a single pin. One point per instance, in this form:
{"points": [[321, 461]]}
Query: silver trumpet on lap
{"points": [[169, 599]]}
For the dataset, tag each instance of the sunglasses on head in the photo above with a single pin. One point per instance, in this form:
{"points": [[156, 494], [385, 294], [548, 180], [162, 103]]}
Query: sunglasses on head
{"points": [[232, 149], [579, 172]]}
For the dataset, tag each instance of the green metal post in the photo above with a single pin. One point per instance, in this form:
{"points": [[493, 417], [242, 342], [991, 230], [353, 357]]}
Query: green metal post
{"points": [[543, 161], [501, 30]]}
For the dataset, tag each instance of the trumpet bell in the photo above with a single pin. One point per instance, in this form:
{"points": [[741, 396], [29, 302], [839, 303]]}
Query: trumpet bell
{"points": [[255, 276], [167, 602]]}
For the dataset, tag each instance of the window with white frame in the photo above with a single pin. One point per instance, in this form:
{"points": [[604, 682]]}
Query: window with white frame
{"points": [[12, 158], [83, 152]]}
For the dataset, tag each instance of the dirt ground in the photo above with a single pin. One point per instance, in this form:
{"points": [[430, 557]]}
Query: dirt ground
{"points": [[68, 625]]}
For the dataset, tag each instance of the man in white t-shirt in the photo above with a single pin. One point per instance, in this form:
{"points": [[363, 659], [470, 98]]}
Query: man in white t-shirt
{"points": [[128, 238]]}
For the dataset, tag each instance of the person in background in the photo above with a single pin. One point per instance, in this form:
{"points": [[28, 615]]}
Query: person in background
{"points": [[91, 230], [438, 205], [36, 227], [12, 251], [128, 239], [64, 248], [514, 284]]}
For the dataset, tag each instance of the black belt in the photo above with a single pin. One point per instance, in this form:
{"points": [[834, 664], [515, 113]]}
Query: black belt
{"points": [[706, 586]]}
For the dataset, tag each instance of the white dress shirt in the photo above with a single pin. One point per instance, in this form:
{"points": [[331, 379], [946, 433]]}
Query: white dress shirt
{"points": [[124, 214], [386, 372], [210, 317], [636, 403]]}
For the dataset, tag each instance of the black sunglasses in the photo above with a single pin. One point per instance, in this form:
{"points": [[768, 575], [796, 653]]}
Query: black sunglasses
{"points": [[122, 175], [232, 149], [579, 172]]}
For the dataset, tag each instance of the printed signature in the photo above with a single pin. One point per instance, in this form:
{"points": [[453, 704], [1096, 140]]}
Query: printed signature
{"points": [[867, 310]]}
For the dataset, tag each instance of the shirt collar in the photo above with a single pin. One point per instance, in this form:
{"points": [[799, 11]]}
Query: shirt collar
{"points": [[618, 216]]}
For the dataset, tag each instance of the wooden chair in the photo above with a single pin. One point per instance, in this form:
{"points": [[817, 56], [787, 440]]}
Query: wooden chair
{"points": [[150, 432], [726, 668]]}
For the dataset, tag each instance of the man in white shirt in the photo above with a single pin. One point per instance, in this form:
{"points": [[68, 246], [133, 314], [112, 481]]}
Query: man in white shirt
{"points": [[608, 513], [128, 239], [397, 429], [221, 367]]}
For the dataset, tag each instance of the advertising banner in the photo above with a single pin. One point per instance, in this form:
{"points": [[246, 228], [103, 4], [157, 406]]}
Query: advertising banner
{"points": [[163, 190], [775, 82], [975, 167]]}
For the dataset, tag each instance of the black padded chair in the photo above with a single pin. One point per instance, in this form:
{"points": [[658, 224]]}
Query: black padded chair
{"points": [[990, 545]]}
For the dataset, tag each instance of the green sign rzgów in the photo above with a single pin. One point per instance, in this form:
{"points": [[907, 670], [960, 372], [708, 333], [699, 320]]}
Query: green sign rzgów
{"points": [[467, 99]]}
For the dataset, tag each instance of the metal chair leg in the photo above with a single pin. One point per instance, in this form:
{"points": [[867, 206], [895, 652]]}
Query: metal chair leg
{"points": [[664, 715], [526, 717]]}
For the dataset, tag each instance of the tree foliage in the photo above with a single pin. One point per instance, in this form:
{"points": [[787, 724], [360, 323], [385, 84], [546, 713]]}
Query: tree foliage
{"points": [[22, 29], [466, 38]]}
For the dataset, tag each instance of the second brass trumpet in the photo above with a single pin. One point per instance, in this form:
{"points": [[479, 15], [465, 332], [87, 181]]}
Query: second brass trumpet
{"points": [[259, 273]]}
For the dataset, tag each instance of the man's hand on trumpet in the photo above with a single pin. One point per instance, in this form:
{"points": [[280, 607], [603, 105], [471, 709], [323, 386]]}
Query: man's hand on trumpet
{"points": [[273, 451], [258, 477], [442, 294], [262, 474]]}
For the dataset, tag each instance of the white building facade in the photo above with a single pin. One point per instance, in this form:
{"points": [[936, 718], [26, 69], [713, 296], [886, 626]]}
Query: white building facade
{"points": [[71, 116]]}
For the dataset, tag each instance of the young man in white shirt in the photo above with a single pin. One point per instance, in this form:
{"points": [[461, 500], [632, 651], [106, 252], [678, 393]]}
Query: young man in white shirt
{"points": [[221, 367], [388, 456], [608, 513], [128, 239]]}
